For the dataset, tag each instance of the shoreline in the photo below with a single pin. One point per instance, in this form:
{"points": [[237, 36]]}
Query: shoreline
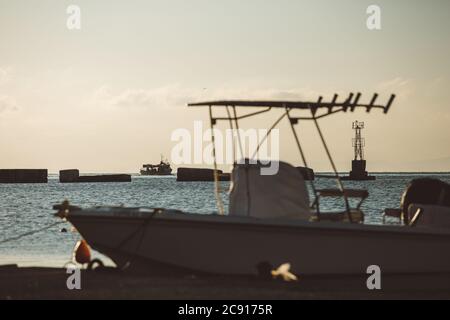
{"points": [[50, 283]]}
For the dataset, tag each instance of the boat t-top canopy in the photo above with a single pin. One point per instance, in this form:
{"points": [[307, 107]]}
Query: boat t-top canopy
{"points": [[332, 106], [317, 110]]}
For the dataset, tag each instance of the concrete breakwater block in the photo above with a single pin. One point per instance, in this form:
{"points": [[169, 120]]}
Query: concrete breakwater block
{"points": [[23, 175], [106, 178], [70, 175], [73, 176], [200, 174]]}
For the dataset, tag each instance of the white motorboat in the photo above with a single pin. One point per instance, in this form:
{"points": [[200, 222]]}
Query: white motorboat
{"points": [[272, 220]]}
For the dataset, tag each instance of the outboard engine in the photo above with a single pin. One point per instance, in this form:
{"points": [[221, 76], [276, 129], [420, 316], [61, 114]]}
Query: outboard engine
{"points": [[425, 191]]}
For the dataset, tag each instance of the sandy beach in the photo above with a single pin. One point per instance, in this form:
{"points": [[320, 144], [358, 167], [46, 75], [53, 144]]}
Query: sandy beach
{"points": [[50, 283]]}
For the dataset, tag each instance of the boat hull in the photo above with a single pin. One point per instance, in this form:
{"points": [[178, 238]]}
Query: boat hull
{"points": [[148, 173], [240, 246]]}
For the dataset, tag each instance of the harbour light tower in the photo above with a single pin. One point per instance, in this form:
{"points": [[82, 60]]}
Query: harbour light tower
{"points": [[358, 142], [358, 163]]}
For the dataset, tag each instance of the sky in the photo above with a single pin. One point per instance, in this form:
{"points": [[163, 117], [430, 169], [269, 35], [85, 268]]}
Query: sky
{"points": [[107, 97]]}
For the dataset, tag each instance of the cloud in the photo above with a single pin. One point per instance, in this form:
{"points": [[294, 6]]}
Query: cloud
{"points": [[259, 93], [4, 75], [7, 103], [402, 87], [148, 98], [176, 95]]}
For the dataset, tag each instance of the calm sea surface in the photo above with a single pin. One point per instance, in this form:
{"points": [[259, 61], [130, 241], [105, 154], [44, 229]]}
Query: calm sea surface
{"points": [[26, 207]]}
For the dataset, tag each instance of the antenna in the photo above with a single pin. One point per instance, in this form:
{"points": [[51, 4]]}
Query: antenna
{"points": [[358, 141]]}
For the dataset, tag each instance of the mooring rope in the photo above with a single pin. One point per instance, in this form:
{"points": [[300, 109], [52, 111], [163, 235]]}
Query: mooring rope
{"points": [[29, 233]]}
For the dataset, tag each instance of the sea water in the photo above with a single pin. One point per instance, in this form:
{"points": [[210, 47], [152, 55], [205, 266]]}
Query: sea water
{"points": [[27, 207]]}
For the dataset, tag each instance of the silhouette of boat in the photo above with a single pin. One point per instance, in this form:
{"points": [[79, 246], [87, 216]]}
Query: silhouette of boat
{"points": [[272, 220], [161, 169]]}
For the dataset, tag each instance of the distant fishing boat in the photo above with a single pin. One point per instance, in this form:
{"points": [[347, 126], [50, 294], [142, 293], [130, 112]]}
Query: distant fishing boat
{"points": [[161, 169], [271, 219]]}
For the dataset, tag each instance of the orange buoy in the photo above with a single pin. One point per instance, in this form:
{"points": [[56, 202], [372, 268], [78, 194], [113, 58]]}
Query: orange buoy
{"points": [[82, 252]]}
